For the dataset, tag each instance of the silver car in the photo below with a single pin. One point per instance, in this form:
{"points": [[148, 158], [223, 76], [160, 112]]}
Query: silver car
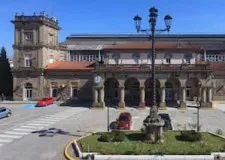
{"points": [[5, 112]]}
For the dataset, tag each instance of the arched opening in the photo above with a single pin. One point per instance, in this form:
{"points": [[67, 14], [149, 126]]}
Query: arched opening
{"points": [[149, 92], [132, 90], [28, 91], [172, 89], [111, 87], [192, 88]]}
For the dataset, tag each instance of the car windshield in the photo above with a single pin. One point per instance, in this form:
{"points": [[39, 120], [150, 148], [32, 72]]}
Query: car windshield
{"points": [[123, 118], [44, 99]]}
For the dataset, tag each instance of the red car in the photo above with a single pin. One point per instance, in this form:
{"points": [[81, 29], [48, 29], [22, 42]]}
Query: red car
{"points": [[45, 101], [124, 121]]}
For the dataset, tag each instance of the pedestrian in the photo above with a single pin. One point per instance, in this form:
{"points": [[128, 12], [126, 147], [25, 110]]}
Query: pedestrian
{"points": [[3, 97]]}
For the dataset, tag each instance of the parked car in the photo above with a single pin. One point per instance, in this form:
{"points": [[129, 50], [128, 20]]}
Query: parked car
{"points": [[5, 112], [45, 101], [124, 121], [167, 120]]}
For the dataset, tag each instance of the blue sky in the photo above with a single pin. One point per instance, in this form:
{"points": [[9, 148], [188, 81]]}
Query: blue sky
{"points": [[115, 16]]}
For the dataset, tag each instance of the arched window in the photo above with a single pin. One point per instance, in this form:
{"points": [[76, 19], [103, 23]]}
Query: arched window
{"points": [[28, 91]]}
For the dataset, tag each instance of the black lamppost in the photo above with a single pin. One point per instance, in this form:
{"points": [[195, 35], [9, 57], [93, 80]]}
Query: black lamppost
{"points": [[153, 14], [198, 102]]}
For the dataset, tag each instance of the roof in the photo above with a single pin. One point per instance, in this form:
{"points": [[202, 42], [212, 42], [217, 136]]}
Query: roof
{"points": [[85, 47], [217, 66], [70, 65], [162, 45]]}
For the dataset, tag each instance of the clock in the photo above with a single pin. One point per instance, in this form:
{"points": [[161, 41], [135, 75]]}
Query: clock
{"points": [[97, 79]]}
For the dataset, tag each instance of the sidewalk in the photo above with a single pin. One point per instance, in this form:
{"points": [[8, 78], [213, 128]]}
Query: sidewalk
{"points": [[17, 102]]}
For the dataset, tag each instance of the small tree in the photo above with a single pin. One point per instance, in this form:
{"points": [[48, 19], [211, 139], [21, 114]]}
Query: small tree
{"points": [[3, 55], [6, 79]]}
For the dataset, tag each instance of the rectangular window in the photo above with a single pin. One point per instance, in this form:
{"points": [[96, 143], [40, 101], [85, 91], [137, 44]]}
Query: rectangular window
{"points": [[188, 60], [168, 60], [28, 61], [136, 59], [75, 92], [28, 36], [54, 92]]}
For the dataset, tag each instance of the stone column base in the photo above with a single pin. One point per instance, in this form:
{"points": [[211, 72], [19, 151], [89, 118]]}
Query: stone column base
{"points": [[121, 105], [183, 105], [206, 104], [98, 105], [141, 105], [162, 105]]}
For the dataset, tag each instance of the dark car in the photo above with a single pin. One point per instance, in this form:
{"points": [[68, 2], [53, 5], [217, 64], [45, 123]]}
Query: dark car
{"points": [[124, 121], [5, 112], [167, 120]]}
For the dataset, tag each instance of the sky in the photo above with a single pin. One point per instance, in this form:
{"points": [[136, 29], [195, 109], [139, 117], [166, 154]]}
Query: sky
{"points": [[115, 16]]}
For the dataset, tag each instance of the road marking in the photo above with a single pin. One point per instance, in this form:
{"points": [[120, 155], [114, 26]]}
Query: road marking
{"points": [[24, 129], [50, 120], [17, 133], [135, 117], [34, 127], [9, 136], [5, 140], [62, 117], [37, 124], [45, 122]]}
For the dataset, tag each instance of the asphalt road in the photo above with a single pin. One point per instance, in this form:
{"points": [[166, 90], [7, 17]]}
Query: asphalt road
{"points": [[52, 128]]}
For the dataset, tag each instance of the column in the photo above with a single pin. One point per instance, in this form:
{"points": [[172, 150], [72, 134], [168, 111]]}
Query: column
{"points": [[122, 95], [142, 96], [205, 55], [183, 97], [163, 96], [102, 97], [209, 94], [203, 94], [95, 97]]}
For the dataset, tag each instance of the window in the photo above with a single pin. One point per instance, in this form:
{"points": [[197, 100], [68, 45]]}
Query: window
{"points": [[136, 59], [168, 60], [28, 36], [51, 59], [116, 59], [28, 61], [188, 60], [54, 92], [75, 92]]}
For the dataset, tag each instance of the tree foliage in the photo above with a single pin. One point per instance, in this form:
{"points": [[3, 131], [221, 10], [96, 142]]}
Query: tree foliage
{"points": [[6, 79]]}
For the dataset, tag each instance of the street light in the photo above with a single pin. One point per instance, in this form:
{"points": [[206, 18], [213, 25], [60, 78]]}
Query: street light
{"points": [[153, 123], [153, 14]]}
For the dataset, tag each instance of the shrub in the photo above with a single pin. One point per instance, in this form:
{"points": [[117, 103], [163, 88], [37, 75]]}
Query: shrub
{"points": [[191, 136], [118, 136], [219, 132], [106, 137]]}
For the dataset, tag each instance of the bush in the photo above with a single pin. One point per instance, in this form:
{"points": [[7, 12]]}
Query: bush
{"points": [[118, 136], [191, 136], [106, 137]]}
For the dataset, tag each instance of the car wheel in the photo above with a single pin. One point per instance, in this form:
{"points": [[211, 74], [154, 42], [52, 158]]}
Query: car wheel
{"points": [[9, 114]]}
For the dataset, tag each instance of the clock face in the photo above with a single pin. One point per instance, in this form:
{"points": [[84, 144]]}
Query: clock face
{"points": [[97, 79]]}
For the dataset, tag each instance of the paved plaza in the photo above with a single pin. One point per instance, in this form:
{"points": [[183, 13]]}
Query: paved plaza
{"points": [[42, 133]]}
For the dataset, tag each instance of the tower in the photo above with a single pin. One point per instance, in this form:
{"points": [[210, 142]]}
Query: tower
{"points": [[35, 46]]}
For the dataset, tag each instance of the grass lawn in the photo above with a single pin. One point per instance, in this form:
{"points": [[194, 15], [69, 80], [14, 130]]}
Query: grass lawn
{"points": [[172, 145]]}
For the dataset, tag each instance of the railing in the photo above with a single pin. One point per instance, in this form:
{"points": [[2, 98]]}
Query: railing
{"points": [[147, 67]]}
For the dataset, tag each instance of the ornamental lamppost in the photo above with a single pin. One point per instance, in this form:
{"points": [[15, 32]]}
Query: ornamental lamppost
{"points": [[153, 120]]}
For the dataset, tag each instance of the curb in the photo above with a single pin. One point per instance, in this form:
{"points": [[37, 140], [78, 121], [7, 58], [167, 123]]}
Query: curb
{"points": [[66, 153]]}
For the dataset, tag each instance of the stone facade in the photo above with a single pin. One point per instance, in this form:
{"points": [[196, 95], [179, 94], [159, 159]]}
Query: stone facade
{"points": [[36, 37]]}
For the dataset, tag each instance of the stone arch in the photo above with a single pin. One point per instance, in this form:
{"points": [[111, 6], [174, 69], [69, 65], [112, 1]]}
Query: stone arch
{"points": [[111, 88], [28, 91], [149, 93], [172, 89], [132, 91], [193, 86]]}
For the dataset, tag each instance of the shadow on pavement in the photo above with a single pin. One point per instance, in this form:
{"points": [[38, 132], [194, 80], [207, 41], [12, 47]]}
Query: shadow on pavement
{"points": [[51, 132]]}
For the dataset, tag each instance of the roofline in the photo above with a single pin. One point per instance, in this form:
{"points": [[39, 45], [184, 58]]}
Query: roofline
{"points": [[145, 35]]}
